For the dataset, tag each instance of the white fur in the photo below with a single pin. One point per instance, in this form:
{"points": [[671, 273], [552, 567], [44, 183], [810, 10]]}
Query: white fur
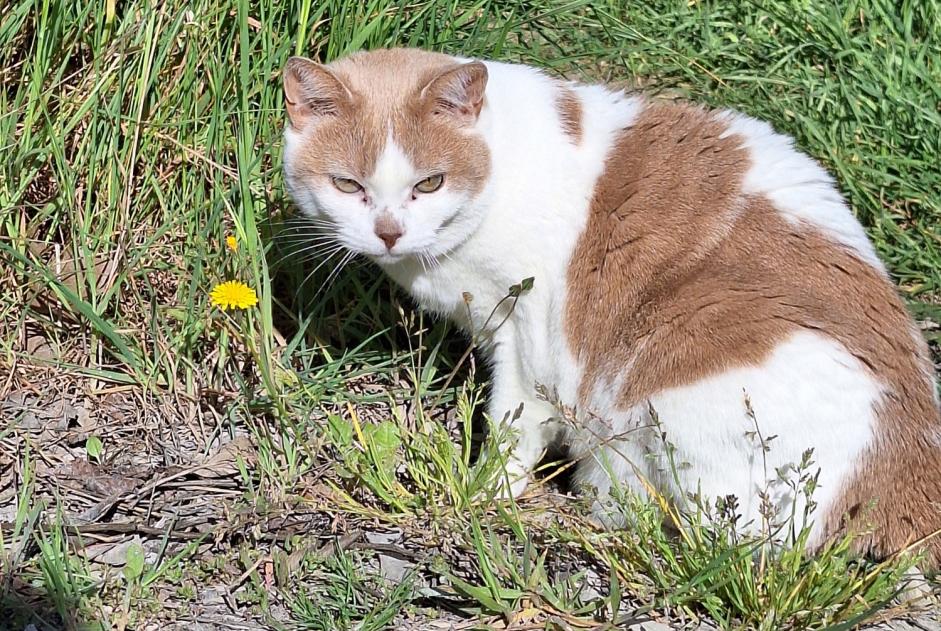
{"points": [[797, 186], [390, 182], [810, 392]]}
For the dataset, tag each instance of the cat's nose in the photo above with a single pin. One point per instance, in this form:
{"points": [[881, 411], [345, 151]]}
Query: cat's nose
{"points": [[388, 230], [389, 238]]}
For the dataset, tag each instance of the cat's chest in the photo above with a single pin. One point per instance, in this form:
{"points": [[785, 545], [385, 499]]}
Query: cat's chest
{"points": [[527, 325], [485, 307], [473, 301]]}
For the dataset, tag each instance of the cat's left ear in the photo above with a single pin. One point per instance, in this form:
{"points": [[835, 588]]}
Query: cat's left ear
{"points": [[457, 92]]}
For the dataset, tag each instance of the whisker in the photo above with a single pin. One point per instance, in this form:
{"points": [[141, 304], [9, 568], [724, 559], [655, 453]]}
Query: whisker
{"points": [[293, 246], [305, 219], [317, 250], [307, 229], [305, 234], [309, 222], [307, 243], [429, 262], [319, 265], [318, 240], [294, 256], [335, 273]]}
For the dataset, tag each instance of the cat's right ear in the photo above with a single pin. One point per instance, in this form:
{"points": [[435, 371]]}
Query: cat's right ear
{"points": [[311, 91]]}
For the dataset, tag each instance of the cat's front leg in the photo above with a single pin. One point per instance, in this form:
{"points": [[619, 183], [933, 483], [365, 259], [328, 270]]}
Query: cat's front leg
{"points": [[526, 424]]}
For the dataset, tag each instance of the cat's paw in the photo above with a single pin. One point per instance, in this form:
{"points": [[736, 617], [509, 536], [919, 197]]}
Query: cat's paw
{"points": [[514, 483], [515, 488]]}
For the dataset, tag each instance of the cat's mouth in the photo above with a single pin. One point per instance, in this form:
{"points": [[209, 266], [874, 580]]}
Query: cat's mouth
{"points": [[387, 258], [424, 252], [420, 258]]}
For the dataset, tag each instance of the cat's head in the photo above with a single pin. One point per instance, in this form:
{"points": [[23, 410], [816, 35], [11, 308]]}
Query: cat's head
{"points": [[384, 149]]}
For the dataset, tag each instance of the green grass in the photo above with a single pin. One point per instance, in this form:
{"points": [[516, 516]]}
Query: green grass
{"points": [[135, 137]]}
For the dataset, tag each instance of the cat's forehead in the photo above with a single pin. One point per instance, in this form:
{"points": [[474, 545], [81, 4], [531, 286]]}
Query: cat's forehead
{"points": [[388, 79]]}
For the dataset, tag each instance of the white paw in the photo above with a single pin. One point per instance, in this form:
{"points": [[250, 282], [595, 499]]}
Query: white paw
{"points": [[514, 483], [518, 486]]}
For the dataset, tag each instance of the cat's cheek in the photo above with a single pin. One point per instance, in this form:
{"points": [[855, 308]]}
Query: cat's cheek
{"points": [[458, 226], [420, 219]]}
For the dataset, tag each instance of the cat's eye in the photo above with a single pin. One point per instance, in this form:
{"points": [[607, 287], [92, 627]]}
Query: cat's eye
{"points": [[346, 185], [430, 184]]}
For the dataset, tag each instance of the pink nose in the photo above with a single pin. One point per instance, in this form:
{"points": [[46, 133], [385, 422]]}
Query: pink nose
{"points": [[388, 231]]}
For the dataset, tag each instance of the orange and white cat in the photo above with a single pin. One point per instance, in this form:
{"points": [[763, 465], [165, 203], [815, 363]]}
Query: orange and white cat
{"points": [[696, 279]]}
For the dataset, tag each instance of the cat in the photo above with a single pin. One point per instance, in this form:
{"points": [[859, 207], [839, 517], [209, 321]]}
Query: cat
{"points": [[700, 290]]}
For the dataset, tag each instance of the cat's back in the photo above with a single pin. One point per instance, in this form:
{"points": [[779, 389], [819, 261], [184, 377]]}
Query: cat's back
{"points": [[719, 261], [701, 218]]}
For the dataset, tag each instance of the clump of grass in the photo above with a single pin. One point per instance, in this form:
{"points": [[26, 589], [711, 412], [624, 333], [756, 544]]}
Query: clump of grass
{"points": [[347, 600], [692, 555], [42, 580], [700, 562], [695, 553]]}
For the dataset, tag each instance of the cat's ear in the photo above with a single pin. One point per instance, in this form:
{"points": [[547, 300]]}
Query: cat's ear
{"points": [[457, 92], [311, 91]]}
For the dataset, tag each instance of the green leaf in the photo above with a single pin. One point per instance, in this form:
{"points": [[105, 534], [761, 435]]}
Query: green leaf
{"points": [[615, 594], [525, 285], [134, 566], [384, 442], [93, 447], [341, 431], [480, 594], [69, 298]]}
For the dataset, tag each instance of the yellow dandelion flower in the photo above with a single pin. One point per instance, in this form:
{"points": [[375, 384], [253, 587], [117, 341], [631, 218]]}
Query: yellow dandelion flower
{"points": [[233, 295], [232, 243]]}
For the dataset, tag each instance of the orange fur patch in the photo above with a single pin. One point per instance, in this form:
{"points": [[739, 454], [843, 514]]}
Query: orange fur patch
{"points": [[569, 107]]}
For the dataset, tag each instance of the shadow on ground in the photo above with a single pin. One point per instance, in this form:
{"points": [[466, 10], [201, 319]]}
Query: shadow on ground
{"points": [[24, 607]]}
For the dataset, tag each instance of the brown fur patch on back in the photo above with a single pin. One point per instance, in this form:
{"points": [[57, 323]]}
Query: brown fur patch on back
{"points": [[679, 276], [569, 107], [648, 229], [386, 90]]}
